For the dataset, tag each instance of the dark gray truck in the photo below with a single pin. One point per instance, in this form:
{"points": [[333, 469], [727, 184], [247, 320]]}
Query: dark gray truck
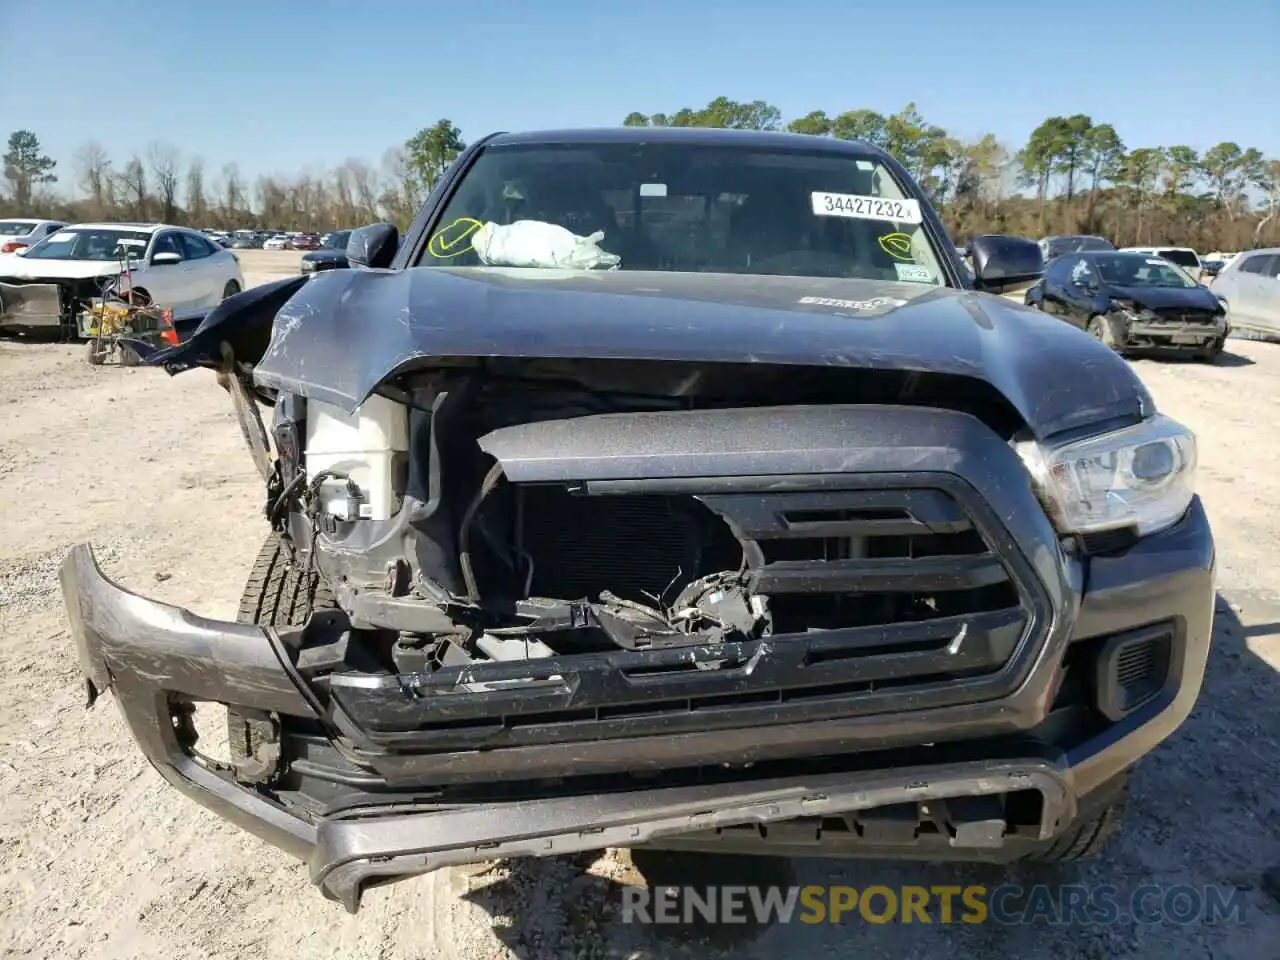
{"points": [[674, 488]]}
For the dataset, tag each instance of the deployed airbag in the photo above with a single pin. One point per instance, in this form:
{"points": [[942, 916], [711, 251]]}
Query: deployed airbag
{"points": [[532, 243]]}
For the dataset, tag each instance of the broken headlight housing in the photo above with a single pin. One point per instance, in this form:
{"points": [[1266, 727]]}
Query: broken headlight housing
{"points": [[1141, 477]]}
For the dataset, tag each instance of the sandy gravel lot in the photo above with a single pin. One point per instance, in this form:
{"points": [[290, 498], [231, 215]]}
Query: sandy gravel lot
{"points": [[98, 858]]}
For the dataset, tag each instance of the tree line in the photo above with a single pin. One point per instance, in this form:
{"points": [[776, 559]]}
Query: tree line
{"points": [[1073, 174], [159, 184]]}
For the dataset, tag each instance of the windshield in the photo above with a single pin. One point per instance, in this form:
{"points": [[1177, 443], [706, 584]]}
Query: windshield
{"points": [[1183, 258], [16, 228], [686, 208], [338, 241], [1139, 270], [93, 244]]}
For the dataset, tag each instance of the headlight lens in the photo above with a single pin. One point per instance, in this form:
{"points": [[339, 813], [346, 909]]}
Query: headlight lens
{"points": [[1141, 476], [1132, 312]]}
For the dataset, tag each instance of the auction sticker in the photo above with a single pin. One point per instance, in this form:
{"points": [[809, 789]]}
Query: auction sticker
{"points": [[913, 272], [866, 208]]}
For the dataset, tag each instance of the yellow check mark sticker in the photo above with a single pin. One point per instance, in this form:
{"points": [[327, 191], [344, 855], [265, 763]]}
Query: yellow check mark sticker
{"points": [[897, 245], [451, 240]]}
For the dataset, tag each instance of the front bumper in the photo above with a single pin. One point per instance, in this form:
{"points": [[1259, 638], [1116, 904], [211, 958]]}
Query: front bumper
{"points": [[1176, 334], [155, 656]]}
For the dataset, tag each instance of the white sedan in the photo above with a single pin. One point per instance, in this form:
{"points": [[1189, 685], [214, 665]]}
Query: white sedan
{"points": [[19, 234], [276, 243], [171, 266]]}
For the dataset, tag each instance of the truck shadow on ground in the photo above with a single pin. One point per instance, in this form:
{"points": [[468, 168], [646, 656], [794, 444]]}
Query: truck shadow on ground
{"points": [[1202, 811], [1224, 359]]}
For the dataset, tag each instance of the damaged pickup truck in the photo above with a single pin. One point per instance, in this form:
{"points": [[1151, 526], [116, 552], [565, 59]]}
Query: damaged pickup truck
{"points": [[674, 488]]}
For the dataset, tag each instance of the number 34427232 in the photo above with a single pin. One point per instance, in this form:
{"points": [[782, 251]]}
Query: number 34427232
{"points": [[866, 208]]}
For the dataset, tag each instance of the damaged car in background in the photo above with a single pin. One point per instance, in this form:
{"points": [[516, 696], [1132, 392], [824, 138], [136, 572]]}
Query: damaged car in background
{"points": [[1133, 301], [674, 488], [46, 287]]}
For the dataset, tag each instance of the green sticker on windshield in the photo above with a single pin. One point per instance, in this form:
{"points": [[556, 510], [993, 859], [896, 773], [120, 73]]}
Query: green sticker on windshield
{"points": [[452, 240], [897, 245]]}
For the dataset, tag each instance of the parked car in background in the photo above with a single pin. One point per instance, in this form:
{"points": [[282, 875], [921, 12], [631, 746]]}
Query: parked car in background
{"points": [[46, 286], [1056, 246], [1132, 300], [1183, 257], [306, 241], [1210, 269], [248, 241], [1249, 285], [332, 254], [278, 242], [19, 234]]}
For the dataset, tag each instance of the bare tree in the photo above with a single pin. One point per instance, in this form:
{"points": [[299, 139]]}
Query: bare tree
{"points": [[197, 202], [133, 187], [234, 201], [94, 175], [401, 198], [343, 204], [163, 160], [364, 185], [273, 198]]}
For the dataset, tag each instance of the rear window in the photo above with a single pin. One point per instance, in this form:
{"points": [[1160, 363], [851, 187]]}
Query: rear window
{"points": [[1183, 258], [1058, 246], [16, 228]]}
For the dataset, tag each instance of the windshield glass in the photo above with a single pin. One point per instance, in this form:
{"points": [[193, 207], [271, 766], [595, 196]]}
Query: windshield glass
{"points": [[16, 228], [88, 244], [338, 241], [1183, 258], [686, 208], [1139, 270]]}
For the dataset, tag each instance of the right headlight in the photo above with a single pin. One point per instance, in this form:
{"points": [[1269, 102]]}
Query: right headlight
{"points": [[1142, 476]]}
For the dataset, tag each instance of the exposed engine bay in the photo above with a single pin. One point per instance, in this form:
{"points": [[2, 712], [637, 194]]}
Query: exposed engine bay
{"points": [[439, 559]]}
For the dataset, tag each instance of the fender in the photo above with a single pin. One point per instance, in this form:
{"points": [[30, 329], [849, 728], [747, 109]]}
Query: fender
{"points": [[243, 321]]}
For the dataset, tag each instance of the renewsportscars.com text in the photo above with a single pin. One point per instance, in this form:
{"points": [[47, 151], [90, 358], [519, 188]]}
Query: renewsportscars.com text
{"points": [[1007, 904]]}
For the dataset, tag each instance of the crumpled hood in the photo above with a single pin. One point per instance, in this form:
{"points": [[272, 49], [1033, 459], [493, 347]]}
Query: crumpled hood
{"points": [[1166, 298], [12, 265], [344, 332]]}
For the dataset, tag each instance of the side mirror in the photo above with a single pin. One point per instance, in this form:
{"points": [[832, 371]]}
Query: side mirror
{"points": [[1001, 262], [166, 259], [373, 246]]}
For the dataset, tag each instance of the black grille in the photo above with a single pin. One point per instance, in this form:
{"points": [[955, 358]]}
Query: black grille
{"points": [[1176, 315], [863, 558], [874, 591], [637, 547]]}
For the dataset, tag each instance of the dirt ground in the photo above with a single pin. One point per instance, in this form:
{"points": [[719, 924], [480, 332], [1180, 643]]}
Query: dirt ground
{"points": [[98, 858]]}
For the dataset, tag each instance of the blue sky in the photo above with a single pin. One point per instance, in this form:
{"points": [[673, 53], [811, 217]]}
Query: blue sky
{"points": [[280, 85]]}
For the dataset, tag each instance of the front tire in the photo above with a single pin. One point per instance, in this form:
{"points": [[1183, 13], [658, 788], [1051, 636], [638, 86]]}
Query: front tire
{"points": [[1090, 835], [1101, 328], [1212, 352], [230, 290], [277, 594]]}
